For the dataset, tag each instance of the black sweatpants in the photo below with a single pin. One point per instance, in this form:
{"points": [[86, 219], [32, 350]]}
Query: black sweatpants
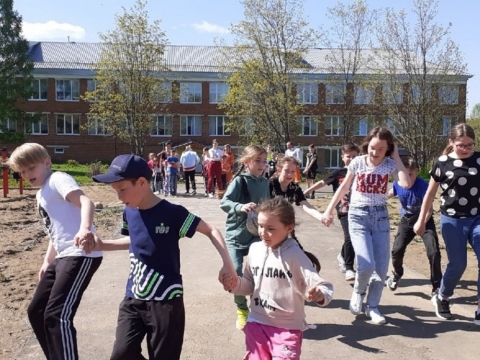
{"points": [[405, 236], [163, 322], [190, 177], [55, 303], [348, 253]]}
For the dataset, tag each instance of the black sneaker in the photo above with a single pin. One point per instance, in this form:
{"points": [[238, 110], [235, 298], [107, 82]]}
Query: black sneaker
{"points": [[194, 192], [476, 321], [392, 282], [442, 308], [187, 192]]}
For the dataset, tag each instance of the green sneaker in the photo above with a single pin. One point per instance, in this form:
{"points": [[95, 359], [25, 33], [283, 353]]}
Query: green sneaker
{"points": [[242, 316]]}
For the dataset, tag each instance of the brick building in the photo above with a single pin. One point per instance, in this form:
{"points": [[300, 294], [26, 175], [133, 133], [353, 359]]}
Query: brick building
{"points": [[63, 72]]}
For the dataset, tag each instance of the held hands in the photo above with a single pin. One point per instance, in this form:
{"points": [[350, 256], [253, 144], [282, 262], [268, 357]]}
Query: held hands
{"points": [[327, 218], [314, 294], [248, 207], [228, 280]]}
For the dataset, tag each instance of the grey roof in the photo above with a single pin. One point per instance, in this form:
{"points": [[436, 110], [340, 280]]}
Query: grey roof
{"points": [[58, 56]]}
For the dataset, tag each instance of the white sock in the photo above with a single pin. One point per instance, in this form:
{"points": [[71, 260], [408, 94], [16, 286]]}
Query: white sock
{"points": [[441, 297]]}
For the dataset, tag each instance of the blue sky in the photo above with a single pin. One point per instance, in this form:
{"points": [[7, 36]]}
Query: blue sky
{"points": [[199, 22]]}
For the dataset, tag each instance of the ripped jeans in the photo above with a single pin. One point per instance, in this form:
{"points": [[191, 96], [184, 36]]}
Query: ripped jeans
{"points": [[370, 234]]}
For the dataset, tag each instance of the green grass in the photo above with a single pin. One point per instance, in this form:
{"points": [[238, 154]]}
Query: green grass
{"points": [[78, 172]]}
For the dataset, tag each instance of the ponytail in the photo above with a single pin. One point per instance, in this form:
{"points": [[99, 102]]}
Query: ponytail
{"points": [[310, 256], [448, 149]]}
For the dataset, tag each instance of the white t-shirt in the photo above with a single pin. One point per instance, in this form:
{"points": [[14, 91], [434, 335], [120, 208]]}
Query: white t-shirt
{"points": [[215, 155], [60, 217], [297, 153], [370, 185]]}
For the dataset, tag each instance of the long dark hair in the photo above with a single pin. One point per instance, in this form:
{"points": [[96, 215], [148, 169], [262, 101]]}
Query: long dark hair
{"points": [[280, 207], [459, 131], [383, 134]]}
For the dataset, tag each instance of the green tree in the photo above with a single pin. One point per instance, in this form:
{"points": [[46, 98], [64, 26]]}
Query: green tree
{"points": [[130, 75], [422, 68], [262, 64], [349, 82], [15, 73], [474, 121]]}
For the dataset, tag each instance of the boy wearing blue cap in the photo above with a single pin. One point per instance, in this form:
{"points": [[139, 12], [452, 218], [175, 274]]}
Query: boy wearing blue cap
{"points": [[153, 304]]}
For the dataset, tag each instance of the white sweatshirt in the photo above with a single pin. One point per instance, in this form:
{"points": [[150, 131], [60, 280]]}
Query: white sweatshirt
{"points": [[278, 281]]}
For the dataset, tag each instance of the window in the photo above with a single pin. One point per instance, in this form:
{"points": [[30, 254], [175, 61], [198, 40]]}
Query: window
{"points": [[391, 96], [218, 91], [308, 125], [190, 125], [335, 94], [307, 94], [390, 124], [97, 127], [59, 151], [39, 127], [447, 123], [361, 125], [448, 94], [333, 158], [416, 93], [68, 124], [39, 89], [334, 126], [68, 90], [162, 125], [217, 125], [364, 94], [191, 93], [8, 125], [165, 92]]}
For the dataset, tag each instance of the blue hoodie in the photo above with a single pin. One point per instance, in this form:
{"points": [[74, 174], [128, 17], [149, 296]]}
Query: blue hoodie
{"points": [[232, 202]]}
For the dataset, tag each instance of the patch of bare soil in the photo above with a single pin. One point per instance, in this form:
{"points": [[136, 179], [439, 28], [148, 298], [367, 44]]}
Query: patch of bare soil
{"points": [[23, 244]]}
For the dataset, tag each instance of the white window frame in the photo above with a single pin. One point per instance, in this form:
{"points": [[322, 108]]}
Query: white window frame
{"points": [[391, 97], [448, 94], [59, 150], [307, 93], [218, 121], [447, 123], [37, 83], [9, 125], [334, 94], [363, 124], [332, 150], [195, 120], [74, 89], [165, 92], [336, 125], [72, 118], [162, 122], [95, 124], [217, 92], [364, 95], [312, 125], [189, 90], [36, 128]]}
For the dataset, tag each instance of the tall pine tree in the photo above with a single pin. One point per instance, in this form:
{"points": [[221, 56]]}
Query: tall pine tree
{"points": [[15, 73]]}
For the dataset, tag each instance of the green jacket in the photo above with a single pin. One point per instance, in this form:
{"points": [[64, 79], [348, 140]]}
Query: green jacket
{"points": [[232, 201]]}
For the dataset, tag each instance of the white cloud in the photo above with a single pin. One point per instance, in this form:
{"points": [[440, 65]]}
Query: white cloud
{"points": [[52, 30], [212, 28]]}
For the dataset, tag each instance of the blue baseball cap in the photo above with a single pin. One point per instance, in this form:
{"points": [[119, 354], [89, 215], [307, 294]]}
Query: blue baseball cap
{"points": [[125, 167]]}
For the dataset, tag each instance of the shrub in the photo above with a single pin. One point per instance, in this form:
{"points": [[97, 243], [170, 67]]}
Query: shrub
{"points": [[95, 168], [72, 162]]}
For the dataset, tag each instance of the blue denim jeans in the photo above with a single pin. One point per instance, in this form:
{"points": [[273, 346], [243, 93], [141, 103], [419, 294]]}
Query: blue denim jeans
{"points": [[456, 233], [369, 229], [173, 184]]}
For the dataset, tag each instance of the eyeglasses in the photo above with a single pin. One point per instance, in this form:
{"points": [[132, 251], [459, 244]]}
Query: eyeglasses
{"points": [[465, 147]]}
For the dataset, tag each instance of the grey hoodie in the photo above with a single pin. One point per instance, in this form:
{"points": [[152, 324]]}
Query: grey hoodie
{"points": [[278, 281], [232, 202]]}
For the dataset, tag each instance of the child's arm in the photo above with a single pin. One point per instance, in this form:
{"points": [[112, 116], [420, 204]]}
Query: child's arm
{"points": [[317, 185], [427, 208], [87, 211], [401, 174], [344, 188], [230, 201], [310, 210], [217, 240], [310, 283], [49, 257], [391, 194], [240, 285]]}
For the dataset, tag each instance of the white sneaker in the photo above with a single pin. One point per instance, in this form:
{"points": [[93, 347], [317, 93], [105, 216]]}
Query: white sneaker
{"points": [[375, 315], [356, 303], [341, 263], [210, 195], [349, 275]]}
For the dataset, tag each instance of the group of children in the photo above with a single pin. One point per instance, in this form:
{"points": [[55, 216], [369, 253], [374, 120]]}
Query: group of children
{"points": [[278, 274], [165, 169]]}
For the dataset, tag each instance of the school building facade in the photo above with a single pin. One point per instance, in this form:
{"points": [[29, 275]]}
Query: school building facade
{"points": [[63, 72]]}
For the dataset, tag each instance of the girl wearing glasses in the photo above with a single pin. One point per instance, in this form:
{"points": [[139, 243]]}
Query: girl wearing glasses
{"points": [[457, 172]]}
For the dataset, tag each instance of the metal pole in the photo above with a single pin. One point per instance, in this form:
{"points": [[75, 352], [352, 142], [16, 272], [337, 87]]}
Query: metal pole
{"points": [[5, 172]]}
